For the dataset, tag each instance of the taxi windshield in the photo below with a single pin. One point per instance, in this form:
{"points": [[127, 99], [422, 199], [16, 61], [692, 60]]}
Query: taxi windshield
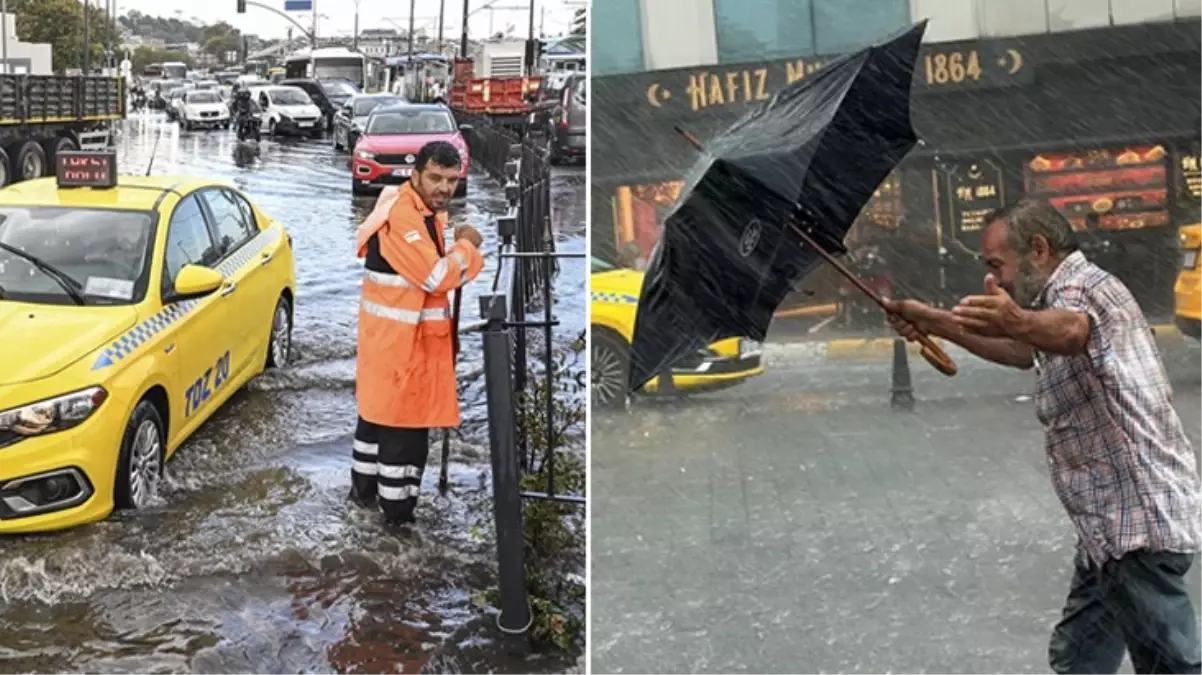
{"points": [[103, 254]]}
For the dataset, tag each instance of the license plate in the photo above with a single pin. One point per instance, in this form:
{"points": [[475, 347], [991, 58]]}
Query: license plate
{"points": [[304, 124], [400, 172], [1191, 260]]}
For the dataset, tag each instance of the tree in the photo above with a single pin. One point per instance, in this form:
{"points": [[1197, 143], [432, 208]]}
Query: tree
{"points": [[60, 23], [579, 21], [145, 55]]}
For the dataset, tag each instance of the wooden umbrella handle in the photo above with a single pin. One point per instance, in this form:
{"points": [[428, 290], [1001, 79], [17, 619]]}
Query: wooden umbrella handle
{"points": [[932, 352]]}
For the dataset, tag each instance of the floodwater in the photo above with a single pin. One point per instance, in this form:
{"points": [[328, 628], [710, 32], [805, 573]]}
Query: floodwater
{"points": [[253, 561]]}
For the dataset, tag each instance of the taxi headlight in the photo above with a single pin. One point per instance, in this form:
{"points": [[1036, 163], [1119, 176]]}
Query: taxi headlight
{"points": [[53, 414]]}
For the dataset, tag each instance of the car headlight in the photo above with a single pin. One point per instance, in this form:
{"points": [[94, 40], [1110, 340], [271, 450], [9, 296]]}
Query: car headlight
{"points": [[365, 154], [53, 414]]}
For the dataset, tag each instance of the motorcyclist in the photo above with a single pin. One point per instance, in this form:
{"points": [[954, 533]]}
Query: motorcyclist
{"points": [[244, 111]]}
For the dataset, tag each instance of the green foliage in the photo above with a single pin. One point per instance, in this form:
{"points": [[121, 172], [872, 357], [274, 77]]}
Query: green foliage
{"points": [[554, 531], [60, 23], [169, 30], [145, 55]]}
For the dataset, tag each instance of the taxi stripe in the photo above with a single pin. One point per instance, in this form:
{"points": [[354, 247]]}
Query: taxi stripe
{"points": [[132, 340], [617, 298]]}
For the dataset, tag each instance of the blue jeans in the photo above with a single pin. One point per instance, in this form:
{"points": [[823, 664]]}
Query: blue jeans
{"points": [[1140, 603]]}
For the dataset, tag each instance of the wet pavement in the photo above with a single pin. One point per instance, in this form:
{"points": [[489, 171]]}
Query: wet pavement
{"points": [[253, 561], [801, 526]]}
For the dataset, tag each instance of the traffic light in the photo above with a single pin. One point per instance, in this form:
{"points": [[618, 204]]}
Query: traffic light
{"points": [[242, 6]]}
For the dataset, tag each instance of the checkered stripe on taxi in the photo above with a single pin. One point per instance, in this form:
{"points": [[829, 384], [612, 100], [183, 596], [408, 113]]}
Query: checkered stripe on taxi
{"points": [[133, 339], [617, 298]]}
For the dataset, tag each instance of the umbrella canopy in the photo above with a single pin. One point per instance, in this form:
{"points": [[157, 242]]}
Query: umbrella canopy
{"points": [[812, 156]]}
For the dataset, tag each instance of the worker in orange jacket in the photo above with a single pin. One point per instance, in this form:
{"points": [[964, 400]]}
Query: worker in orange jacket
{"points": [[405, 382]]}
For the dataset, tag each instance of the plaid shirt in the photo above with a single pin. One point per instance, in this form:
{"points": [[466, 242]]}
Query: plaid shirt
{"points": [[1119, 459]]}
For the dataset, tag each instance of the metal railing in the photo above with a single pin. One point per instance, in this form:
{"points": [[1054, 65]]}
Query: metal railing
{"points": [[526, 270]]}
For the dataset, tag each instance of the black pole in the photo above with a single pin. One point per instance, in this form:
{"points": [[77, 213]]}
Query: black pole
{"points": [[550, 363], [531, 37], [412, 9], [355, 39], [87, 47], [507, 499], [442, 11], [901, 392], [463, 40]]}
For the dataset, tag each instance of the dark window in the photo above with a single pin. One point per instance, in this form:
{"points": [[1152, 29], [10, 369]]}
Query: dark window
{"points": [[843, 26], [232, 219], [188, 241]]}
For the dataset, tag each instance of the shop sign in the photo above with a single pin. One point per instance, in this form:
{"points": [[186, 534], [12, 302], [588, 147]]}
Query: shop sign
{"points": [[1190, 174], [940, 67], [973, 190]]}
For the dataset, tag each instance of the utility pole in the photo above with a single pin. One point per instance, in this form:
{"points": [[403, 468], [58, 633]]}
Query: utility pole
{"points": [[355, 40], [412, 9], [87, 47], [442, 12], [313, 35], [463, 41], [4, 35]]}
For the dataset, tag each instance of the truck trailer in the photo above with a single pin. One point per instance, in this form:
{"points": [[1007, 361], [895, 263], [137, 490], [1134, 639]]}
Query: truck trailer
{"points": [[41, 115]]}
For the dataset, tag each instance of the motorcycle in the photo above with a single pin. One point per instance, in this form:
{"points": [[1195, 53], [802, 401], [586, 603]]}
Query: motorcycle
{"points": [[250, 127], [140, 102]]}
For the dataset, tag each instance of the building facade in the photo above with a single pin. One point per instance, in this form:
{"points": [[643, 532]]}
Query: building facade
{"points": [[1092, 104]]}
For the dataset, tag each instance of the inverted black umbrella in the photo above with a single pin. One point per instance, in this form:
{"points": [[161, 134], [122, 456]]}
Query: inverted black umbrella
{"points": [[770, 199]]}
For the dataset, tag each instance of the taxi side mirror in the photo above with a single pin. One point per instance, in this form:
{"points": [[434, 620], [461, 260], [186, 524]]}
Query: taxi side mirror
{"points": [[194, 281]]}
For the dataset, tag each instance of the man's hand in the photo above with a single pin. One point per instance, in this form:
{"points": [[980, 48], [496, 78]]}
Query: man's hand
{"points": [[994, 314], [910, 318], [470, 234]]}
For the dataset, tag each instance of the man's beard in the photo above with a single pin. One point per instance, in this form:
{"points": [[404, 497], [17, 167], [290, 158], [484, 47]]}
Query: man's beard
{"points": [[1028, 284]]}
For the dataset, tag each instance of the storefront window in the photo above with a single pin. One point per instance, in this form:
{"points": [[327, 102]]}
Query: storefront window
{"points": [[884, 212], [639, 214], [622, 50], [763, 30], [1118, 188], [842, 26]]}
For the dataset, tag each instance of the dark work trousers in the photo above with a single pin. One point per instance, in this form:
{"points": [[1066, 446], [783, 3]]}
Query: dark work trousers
{"points": [[388, 465], [1140, 603]]}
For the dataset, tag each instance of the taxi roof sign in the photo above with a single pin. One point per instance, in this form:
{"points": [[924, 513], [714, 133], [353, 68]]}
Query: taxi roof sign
{"points": [[74, 169]]}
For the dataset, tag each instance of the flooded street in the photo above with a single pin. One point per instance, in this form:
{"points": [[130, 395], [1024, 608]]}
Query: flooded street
{"points": [[254, 561]]}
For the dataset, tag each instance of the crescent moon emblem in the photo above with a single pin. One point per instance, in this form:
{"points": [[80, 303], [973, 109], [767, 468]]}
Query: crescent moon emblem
{"points": [[653, 95], [1016, 60]]}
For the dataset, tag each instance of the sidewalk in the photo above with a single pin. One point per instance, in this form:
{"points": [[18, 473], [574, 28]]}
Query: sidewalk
{"points": [[744, 533]]}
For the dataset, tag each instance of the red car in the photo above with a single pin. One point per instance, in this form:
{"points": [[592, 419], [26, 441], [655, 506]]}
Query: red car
{"points": [[391, 138]]}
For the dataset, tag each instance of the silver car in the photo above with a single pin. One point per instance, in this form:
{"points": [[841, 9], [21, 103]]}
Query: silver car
{"points": [[352, 117]]}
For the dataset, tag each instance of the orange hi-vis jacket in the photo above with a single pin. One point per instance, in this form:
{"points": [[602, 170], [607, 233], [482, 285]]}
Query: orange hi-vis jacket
{"points": [[405, 367]]}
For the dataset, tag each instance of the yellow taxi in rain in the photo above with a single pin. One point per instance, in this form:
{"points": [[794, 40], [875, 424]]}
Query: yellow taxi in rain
{"points": [[1188, 291], [614, 304], [131, 308]]}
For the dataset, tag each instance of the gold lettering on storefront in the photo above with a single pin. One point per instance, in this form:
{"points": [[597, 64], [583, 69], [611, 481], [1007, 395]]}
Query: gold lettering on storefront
{"points": [[709, 90]]}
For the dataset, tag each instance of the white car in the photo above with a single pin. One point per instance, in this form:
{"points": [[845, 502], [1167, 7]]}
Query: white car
{"points": [[289, 110], [202, 109]]}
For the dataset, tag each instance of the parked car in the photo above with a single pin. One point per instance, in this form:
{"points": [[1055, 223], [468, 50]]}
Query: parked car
{"points": [[561, 117], [352, 116], [288, 110], [391, 139], [202, 109], [329, 95]]}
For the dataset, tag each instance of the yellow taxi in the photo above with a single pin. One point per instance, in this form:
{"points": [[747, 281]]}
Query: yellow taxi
{"points": [[131, 308], [614, 304], [1188, 291]]}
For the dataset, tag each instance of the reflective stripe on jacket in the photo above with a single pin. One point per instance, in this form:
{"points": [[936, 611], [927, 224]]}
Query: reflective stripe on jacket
{"points": [[405, 366]]}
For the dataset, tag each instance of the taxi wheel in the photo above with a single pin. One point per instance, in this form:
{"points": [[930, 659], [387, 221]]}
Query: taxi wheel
{"points": [[610, 366], [279, 348], [140, 465]]}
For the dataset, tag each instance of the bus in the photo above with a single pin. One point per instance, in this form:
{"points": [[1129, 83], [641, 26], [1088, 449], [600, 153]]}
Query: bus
{"points": [[152, 71], [331, 63], [174, 70]]}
